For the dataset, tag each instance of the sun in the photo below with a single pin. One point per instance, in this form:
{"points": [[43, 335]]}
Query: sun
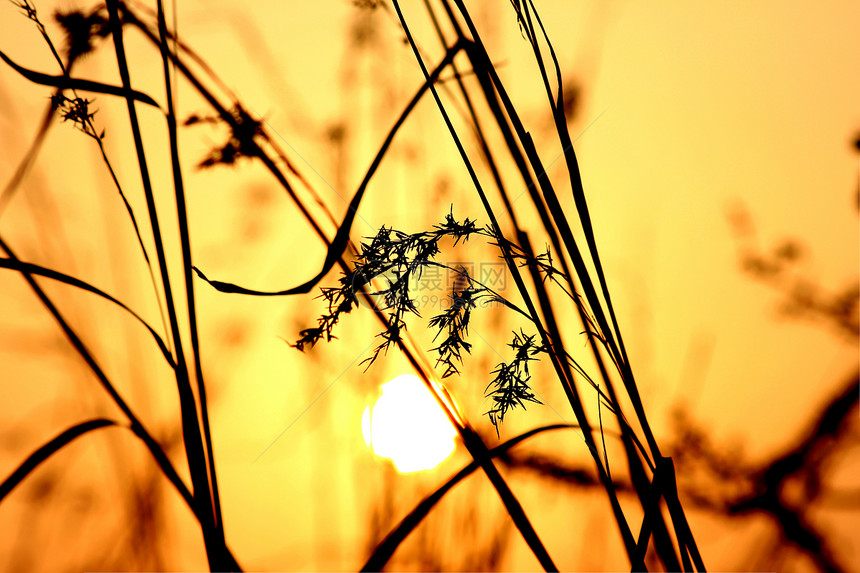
{"points": [[407, 426]]}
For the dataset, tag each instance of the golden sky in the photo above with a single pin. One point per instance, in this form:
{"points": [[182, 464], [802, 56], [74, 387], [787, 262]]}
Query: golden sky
{"points": [[686, 112]]}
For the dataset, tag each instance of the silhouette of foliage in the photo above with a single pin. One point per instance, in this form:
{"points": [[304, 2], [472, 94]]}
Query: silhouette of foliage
{"points": [[398, 258], [82, 30], [510, 386], [78, 111], [241, 143]]}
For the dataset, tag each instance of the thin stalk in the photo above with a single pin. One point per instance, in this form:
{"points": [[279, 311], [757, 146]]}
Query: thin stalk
{"points": [[29, 268], [557, 214], [559, 363], [385, 549], [475, 446], [566, 378], [529, 183], [190, 424], [82, 349], [662, 539], [582, 210], [185, 241], [89, 128], [471, 439]]}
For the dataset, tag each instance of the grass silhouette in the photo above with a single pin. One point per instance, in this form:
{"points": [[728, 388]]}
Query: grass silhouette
{"points": [[568, 268]]}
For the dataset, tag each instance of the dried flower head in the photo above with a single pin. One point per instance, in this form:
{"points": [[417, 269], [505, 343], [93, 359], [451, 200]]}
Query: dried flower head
{"points": [[394, 258], [78, 111], [82, 30], [241, 142]]}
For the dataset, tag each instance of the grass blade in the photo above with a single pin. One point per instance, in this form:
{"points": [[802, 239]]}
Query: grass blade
{"points": [[49, 449], [70, 434], [386, 548], [32, 269], [338, 245], [185, 241], [67, 83], [191, 431]]}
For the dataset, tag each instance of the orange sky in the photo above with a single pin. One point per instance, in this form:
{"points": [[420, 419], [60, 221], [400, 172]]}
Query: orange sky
{"points": [[687, 111]]}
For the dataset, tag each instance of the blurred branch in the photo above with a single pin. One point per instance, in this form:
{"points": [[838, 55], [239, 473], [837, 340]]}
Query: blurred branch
{"points": [[803, 298], [786, 488]]}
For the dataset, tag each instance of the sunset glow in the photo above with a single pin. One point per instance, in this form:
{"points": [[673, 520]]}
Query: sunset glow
{"points": [[228, 230], [407, 426]]}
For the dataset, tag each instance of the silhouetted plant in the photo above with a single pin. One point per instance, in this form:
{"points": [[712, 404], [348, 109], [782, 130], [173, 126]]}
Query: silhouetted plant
{"points": [[399, 259], [393, 256]]}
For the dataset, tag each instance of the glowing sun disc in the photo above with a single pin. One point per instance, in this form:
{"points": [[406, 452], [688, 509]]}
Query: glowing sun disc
{"points": [[407, 426]]}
